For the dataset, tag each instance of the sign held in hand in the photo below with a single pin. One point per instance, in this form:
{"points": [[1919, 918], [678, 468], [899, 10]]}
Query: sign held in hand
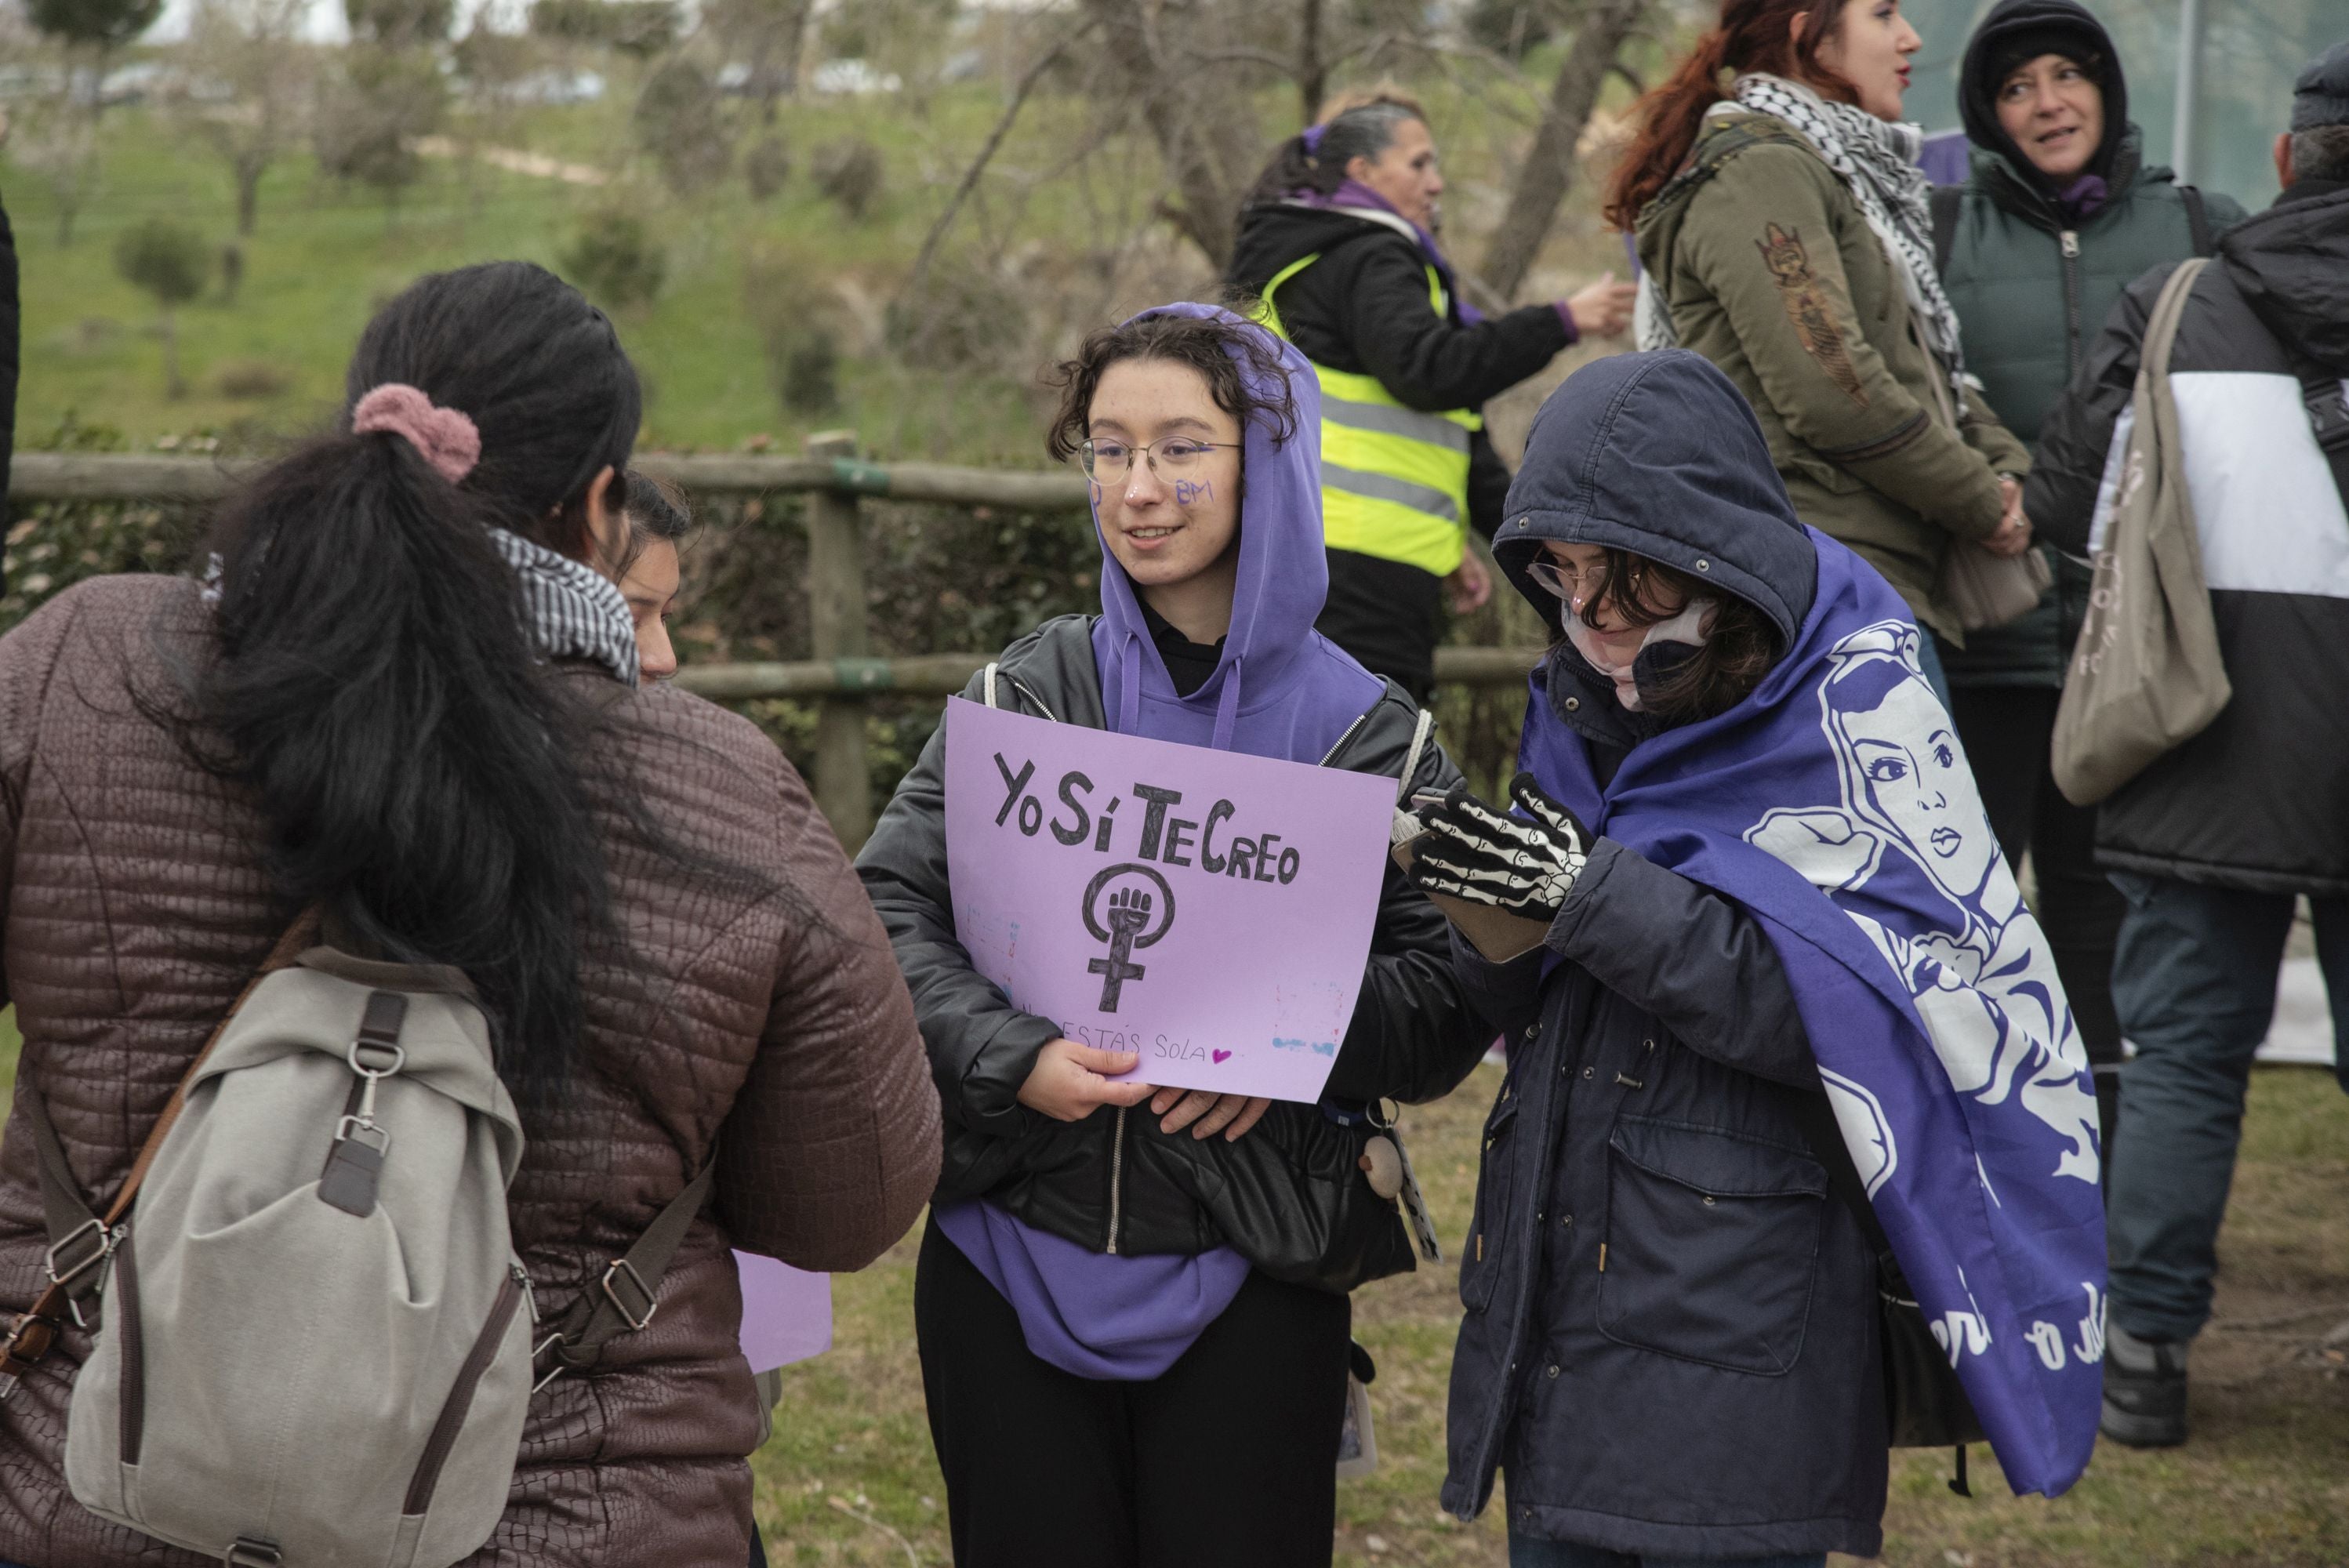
{"points": [[1209, 909]]}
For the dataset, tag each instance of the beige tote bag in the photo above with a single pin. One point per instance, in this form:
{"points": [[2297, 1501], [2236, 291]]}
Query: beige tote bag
{"points": [[2146, 675]]}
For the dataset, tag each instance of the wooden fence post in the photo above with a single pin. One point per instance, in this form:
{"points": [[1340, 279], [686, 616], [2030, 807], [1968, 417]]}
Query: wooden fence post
{"points": [[836, 626]]}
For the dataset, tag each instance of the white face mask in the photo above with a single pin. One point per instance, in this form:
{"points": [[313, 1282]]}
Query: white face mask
{"points": [[1616, 655]]}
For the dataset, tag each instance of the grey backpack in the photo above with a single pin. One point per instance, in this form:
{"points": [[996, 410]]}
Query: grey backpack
{"points": [[319, 1344]]}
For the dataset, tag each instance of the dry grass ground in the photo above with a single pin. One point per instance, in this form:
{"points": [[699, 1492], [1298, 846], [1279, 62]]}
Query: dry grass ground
{"points": [[2262, 1483], [849, 1477]]}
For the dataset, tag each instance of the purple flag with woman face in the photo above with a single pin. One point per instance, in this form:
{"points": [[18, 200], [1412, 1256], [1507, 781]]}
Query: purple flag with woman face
{"points": [[1837, 805]]}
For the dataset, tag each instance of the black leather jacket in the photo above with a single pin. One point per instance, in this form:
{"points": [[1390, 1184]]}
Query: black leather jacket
{"points": [[1288, 1196]]}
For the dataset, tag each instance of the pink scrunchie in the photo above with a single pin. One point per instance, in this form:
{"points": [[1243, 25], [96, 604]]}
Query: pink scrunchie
{"points": [[445, 438]]}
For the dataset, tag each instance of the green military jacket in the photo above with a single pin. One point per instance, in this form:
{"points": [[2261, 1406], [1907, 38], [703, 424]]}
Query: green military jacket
{"points": [[1772, 273], [2031, 293]]}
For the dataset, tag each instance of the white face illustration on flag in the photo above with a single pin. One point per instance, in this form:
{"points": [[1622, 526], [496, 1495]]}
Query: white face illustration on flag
{"points": [[1983, 979]]}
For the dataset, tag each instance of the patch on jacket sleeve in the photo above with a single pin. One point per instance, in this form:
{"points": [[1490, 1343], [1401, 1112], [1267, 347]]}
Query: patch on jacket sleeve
{"points": [[1789, 261]]}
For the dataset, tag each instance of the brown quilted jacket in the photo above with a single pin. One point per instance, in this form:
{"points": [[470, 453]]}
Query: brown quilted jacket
{"points": [[133, 908]]}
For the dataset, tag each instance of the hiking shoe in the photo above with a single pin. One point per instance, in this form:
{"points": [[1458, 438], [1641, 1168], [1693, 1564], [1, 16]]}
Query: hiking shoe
{"points": [[2144, 1390]]}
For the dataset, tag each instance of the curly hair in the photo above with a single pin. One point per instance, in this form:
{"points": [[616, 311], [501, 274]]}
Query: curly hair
{"points": [[1742, 646], [1235, 358]]}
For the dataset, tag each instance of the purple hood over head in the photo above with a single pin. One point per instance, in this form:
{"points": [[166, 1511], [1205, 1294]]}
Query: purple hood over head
{"points": [[1281, 689]]}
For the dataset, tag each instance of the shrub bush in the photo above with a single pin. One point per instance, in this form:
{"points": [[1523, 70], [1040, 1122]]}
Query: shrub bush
{"points": [[850, 172], [615, 261], [252, 378], [766, 168]]}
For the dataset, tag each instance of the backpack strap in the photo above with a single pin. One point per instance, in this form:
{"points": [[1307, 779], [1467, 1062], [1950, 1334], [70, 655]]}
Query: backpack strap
{"points": [[2198, 220], [627, 1295], [1947, 201], [80, 1241], [2328, 417]]}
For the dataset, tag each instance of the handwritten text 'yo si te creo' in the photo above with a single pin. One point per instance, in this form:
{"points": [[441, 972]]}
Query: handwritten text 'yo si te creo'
{"points": [[1078, 816]]}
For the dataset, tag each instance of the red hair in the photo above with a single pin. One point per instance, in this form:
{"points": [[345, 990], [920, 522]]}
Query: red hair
{"points": [[1753, 35]]}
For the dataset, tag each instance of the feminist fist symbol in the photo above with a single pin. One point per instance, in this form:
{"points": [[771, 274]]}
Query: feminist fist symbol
{"points": [[1129, 912]]}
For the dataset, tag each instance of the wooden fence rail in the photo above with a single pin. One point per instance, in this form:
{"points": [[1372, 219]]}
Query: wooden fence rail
{"points": [[843, 678]]}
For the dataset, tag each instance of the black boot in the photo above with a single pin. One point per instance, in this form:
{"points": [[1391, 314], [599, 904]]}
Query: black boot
{"points": [[2144, 1390]]}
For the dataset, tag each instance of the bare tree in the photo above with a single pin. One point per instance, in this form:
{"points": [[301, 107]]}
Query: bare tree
{"points": [[246, 87], [1199, 117], [766, 38], [367, 121], [1547, 172]]}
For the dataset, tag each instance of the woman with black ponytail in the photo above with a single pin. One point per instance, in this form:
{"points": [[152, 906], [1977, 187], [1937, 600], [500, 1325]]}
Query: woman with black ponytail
{"points": [[405, 699]]}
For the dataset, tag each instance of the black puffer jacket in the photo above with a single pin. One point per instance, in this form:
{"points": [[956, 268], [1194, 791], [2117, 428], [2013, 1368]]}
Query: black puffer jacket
{"points": [[2260, 800], [1289, 1195]]}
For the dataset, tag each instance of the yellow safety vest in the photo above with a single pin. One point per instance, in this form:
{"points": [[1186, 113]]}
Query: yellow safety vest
{"points": [[1395, 482]]}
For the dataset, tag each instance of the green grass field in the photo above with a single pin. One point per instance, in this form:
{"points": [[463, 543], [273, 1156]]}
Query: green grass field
{"points": [[849, 1479], [325, 256], [1064, 218]]}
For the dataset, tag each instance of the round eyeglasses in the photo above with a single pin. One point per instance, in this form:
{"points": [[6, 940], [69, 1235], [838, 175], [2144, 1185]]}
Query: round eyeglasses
{"points": [[1572, 584], [1108, 461]]}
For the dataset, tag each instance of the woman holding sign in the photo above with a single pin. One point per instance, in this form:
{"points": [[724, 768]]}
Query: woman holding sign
{"points": [[1780, 998], [1132, 1300]]}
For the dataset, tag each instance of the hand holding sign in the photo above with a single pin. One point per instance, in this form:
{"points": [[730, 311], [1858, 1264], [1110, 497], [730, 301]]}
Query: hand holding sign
{"points": [[1068, 1082], [1230, 1114]]}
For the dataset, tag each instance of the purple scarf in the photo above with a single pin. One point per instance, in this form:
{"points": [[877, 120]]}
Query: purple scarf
{"points": [[1354, 193]]}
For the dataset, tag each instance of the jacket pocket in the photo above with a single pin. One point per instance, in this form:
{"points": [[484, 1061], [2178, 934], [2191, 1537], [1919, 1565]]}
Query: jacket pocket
{"points": [[1488, 1222], [1711, 1246]]}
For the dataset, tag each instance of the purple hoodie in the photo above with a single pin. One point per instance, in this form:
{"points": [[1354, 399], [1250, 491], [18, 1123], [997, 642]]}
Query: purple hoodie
{"points": [[1281, 689]]}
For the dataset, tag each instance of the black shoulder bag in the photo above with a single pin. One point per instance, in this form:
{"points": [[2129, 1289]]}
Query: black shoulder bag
{"points": [[1925, 1405]]}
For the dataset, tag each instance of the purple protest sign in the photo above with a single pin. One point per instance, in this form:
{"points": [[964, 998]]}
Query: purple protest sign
{"points": [[786, 1311], [1211, 909]]}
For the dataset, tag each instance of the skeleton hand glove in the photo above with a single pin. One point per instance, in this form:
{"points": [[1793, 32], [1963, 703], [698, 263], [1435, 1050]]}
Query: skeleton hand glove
{"points": [[1474, 852]]}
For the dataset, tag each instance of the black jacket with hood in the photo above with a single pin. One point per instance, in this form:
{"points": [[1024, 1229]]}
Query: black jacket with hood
{"points": [[2260, 800], [1719, 1393], [2033, 283], [1363, 308]]}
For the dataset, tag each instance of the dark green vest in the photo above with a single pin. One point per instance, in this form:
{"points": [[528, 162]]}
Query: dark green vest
{"points": [[2031, 295]]}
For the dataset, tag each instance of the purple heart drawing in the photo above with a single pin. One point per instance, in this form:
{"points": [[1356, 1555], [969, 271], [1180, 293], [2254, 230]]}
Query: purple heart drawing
{"points": [[1222, 1056]]}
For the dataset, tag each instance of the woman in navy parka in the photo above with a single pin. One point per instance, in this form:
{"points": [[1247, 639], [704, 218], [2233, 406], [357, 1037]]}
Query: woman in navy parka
{"points": [[1671, 1346]]}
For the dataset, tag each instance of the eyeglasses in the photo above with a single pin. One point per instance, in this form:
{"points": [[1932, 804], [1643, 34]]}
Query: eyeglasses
{"points": [[1573, 583], [1109, 460]]}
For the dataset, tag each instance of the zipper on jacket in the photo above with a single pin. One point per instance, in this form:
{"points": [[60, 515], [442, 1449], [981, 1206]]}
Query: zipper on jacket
{"points": [[1361, 720], [453, 1410], [132, 1436], [1116, 1177], [1016, 685], [2068, 241]]}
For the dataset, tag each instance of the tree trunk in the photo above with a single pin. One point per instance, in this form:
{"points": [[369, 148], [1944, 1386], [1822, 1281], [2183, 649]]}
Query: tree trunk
{"points": [[1185, 114], [173, 388], [1312, 70], [1548, 172], [248, 195]]}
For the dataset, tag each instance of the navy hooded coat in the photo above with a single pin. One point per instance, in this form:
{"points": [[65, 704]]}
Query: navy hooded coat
{"points": [[1670, 1345]]}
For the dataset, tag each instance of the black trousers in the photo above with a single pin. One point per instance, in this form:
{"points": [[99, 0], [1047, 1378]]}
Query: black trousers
{"points": [[2008, 732], [1228, 1459], [1388, 615]]}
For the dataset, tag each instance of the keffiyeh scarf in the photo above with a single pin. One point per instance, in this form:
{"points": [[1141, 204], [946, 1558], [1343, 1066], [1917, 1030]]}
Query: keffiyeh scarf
{"points": [[1876, 160], [570, 611]]}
